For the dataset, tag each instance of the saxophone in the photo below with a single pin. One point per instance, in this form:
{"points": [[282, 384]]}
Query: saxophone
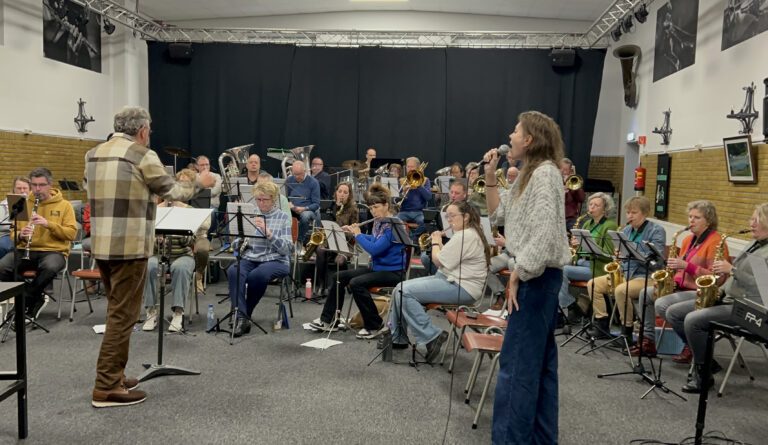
{"points": [[576, 225], [615, 274], [707, 290], [663, 280], [340, 211]]}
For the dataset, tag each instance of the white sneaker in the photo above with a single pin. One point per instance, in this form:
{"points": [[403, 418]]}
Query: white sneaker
{"points": [[177, 322], [151, 322]]}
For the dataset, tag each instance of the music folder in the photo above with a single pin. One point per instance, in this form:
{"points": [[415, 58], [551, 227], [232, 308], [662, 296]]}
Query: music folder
{"points": [[180, 220], [627, 248], [588, 242], [14, 202]]}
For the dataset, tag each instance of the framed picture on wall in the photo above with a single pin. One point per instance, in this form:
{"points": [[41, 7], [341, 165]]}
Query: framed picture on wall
{"points": [[740, 160]]}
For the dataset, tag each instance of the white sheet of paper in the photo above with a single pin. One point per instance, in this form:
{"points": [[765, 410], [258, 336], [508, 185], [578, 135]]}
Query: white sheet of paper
{"points": [[99, 328], [180, 219], [321, 343], [393, 185], [248, 210], [486, 224]]}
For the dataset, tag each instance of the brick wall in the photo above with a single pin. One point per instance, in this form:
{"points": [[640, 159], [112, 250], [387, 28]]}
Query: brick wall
{"points": [[20, 153], [702, 175], [609, 168]]}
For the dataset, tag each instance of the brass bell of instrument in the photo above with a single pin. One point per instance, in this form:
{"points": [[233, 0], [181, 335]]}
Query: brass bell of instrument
{"points": [[316, 239], [574, 182]]}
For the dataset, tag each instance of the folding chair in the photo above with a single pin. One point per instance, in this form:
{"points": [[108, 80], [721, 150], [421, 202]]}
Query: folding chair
{"points": [[484, 344]]}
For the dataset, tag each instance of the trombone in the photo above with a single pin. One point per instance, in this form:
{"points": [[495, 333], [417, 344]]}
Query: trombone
{"points": [[414, 179], [478, 185]]}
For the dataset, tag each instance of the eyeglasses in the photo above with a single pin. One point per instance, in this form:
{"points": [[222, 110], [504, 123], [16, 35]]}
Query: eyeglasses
{"points": [[452, 215], [263, 199], [39, 184]]}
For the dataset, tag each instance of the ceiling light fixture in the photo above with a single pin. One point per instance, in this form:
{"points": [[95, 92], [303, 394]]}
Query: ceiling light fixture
{"points": [[109, 27], [616, 34], [642, 14]]}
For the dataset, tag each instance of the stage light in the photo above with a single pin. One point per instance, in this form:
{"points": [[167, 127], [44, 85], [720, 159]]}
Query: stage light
{"points": [[626, 24], [109, 27], [641, 14], [616, 34]]}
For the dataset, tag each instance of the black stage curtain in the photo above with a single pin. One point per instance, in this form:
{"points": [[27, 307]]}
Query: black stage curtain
{"points": [[442, 105]]}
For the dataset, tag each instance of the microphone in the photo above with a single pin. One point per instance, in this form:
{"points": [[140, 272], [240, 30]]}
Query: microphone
{"points": [[502, 150]]}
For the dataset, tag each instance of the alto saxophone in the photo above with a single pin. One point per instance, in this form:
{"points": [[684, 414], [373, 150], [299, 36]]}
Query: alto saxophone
{"points": [[707, 290], [576, 225], [615, 273], [340, 211], [32, 227], [663, 280]]}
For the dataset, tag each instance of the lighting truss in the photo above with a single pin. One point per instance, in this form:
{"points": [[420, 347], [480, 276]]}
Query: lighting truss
{"points": [[151, 29]]}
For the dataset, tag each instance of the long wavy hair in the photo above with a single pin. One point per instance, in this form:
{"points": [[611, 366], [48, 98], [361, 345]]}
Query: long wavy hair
{"points": [[546, 144], [473, 222]]}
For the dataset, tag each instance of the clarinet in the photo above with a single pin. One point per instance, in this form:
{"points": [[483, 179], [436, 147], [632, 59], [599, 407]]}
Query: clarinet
{"points": [[29, 240]]}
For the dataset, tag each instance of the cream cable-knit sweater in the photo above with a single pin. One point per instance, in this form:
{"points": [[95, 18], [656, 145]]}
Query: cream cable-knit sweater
{"points": [[534, 223]]}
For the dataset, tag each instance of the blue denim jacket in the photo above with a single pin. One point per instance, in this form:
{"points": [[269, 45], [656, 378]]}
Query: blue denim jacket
{"points": [[656, 235]]}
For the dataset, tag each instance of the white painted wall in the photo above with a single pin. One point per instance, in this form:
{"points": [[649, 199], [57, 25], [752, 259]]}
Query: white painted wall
{"points": [[699, 96], [40, 95], [392, 21]]}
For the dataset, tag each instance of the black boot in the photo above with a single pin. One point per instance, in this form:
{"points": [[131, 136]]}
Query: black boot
{"points": [[601, 329], [694, 385], [627, 332], [575, 316]]}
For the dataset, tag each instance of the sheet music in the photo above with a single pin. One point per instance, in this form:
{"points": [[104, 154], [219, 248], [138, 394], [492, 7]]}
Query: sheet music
{"points": [[760, 271], [626, 247], [337, 241], [447, 231], [249, 212], [246, 192], [444, 182], [588, 242], [180, 220], [393, 184]]}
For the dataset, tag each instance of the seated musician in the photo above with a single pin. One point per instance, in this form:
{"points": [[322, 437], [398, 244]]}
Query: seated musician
{"points": [[463, 264], [456, 193], [573, 198], [412, 207], [285, 205], [345, 213], [696, 256], [203, 164], [512, 173], [252, 168], [473, 172], [637, 230], [457, 170], [49, 234], [323, 178], [304, 195], [386, 268], [596, 221], [263, 259], [186, 254], [370, 155], [692, 324], [20, 187], [395, 170]]}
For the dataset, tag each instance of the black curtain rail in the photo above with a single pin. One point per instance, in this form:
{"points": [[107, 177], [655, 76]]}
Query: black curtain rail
{"points": [[440, 104]]}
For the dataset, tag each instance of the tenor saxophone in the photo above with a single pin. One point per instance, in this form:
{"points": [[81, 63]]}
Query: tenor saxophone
{"points": [[663, 280], [614, 272]]}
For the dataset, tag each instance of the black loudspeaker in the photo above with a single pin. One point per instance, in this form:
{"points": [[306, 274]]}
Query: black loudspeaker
{"points": [[765, 110], [180, 51], [563, 58]]}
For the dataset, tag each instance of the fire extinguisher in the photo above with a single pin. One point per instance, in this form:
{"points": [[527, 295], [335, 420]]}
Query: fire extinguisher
{"points": [[640, 178]]}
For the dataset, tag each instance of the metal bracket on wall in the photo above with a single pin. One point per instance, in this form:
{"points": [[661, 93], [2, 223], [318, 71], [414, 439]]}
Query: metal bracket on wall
{"points": [[82, 119], [665, 131], [748, 114]]}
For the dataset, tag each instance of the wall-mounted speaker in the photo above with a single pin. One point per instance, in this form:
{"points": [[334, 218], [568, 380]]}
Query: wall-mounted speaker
{"points": [[180, 51], [563, 58]]}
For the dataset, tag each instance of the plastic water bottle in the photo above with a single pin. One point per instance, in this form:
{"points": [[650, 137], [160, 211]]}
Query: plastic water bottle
{"points": [[308, 289], [211, 318]]}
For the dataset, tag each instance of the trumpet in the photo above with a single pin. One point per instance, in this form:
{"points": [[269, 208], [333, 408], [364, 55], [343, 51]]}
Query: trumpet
{"points": [[478, 185], [425, 241], [316, 239], [574, 182], [414, 179], [32, 227]]}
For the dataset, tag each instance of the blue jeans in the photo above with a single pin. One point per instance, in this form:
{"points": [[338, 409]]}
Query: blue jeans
{"points": [[525, 405], [5, 245], [256, 276], [414, 294], [307, 219], [414, 217], [181, 280], [579, 272], [426, 261]]}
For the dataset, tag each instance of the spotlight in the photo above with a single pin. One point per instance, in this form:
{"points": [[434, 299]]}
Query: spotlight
{"points": [[616, 34], [626, 24], [109, 27], [642, 14]]}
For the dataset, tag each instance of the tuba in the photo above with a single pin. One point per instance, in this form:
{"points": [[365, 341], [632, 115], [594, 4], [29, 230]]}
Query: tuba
{"points": [[231, 163], [629, 56], [296, 154], [316, 239], [414, 179], [663, 280]]}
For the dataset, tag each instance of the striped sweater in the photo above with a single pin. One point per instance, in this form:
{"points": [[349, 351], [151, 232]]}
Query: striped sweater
{"points": [[122, 177]]}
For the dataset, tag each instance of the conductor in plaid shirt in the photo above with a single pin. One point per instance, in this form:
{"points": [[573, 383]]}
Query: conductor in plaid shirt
{"points": [[122, 175]]}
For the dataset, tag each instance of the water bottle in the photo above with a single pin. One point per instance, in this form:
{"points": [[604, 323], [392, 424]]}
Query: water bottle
{"points": [[211, 318], [308, 289]]}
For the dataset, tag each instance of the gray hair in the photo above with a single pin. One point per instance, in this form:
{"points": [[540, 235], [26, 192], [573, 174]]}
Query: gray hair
{"points": [[608, 203], [707, 210], [761, 210], [41, 172], [413, 159], [131, 119]]}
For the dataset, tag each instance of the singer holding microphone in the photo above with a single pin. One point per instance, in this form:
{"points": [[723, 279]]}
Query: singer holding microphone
{"points": [[385, 268], [532, 212], [47, 237], [263, 259]]}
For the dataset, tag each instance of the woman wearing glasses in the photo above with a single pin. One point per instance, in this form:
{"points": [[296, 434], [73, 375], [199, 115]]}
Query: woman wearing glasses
{"points": [[462, 266], [388, 261], [264, 258]]}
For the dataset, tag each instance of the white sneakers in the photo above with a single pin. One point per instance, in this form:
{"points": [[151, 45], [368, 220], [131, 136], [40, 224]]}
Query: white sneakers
{"points": [[176, 325], [151, 323]]}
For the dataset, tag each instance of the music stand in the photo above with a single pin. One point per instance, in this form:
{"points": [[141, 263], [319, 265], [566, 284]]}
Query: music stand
{"points": [[243, 232], [393, 185], [336, 240], [170, 221], [586, 247]]}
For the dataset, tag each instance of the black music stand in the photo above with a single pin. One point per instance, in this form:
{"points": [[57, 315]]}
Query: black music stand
{"points": [[593, 252], [170, 221], [243, 233]]}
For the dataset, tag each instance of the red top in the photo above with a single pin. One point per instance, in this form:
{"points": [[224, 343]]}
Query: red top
{"points": [[700, 259]]}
